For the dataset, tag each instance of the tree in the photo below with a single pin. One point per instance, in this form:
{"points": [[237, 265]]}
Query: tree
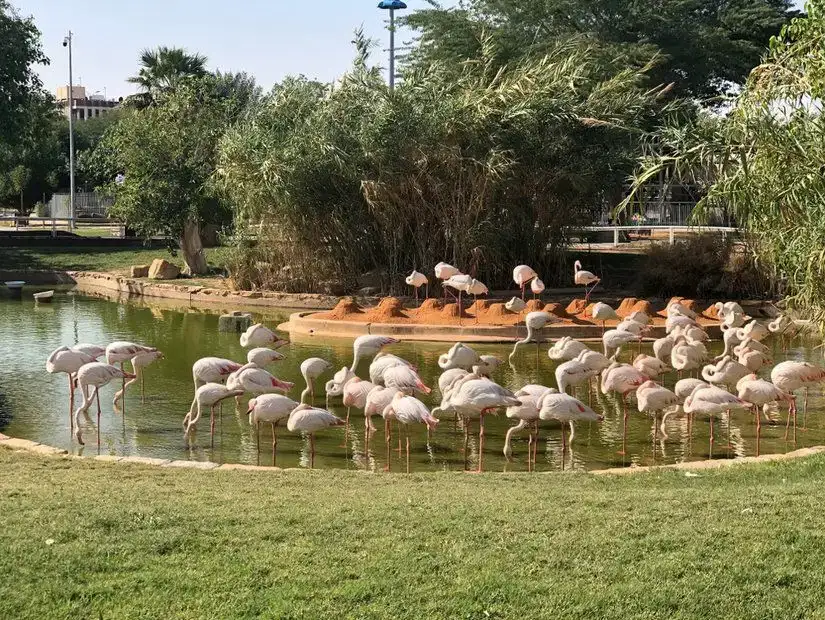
{"points": [[162, 70], [763, 162], [706, 45], [166, 154]]}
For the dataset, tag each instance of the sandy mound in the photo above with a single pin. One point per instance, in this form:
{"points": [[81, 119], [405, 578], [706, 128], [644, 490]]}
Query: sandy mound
{"points": [[497, 312], [712, 313], [556, 309], [480, 307], [626, 307], [343, 310], [534, 305], [577, 306], [387, 309], [429, 305], [643, 306]]}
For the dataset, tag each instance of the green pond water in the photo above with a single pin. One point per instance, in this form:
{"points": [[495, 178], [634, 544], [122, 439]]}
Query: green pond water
{"points": [[35, 405]]}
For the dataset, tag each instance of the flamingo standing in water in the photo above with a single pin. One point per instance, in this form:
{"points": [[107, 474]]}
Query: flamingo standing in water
{"points": [[443, 272], [383, 361], [368, 346], [790, 376], [473, 396], [311, 369], [527, 414], [760, 393], [584, 278], [94, 375], [408, 410], [650, 366], [94, 350], [522, 275], [264, 356], [120, 352], [405, 379], [259, 335], [711, 401], [417, 280], [459, 356], [613, 340], [65, 360], [139, 362], [207, 395], [378, 399], [271, 408], [567, 410], [654, 398], [535, 322], [309, 420], [565, 348], [355, 395], [622, 379], [213, 370]]}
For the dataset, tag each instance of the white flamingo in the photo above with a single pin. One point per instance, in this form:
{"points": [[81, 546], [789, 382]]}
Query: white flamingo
{"points": [[754, 360], [459, 356], [378, 399], [711, 401], [335, 386], [404, 379], [516, 305], [654, 398], [686, 356], [207, 395], [252, 379], [790, 376], [602, 312], [368, 346], [613, 340], [309, 420], [567, 410], [462, 284], [94, 350], [139, 363], [417, 280], [522, 275], [535, 322], [65, 360], [584, 278], [682, 389], [94, 375], [355, 395], [536, 287], [622, 379], [258, 335], [650, 366], [527, 414], [381, 362], [120, 352], [213, 370], [408, 410], [566, 348], [760, 393], [264, 356], [269, 409], [754, 330], [662, 348], [572, 373], [443, 272], [679, 309], [311, 369], [725, 373]]}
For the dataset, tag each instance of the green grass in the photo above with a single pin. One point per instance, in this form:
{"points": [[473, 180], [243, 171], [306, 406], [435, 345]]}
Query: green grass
{"points": [[91, 258], [133, 541]]}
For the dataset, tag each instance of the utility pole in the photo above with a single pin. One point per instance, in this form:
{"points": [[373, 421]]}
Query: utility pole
{"points": [[67, 42], [392, 6]]}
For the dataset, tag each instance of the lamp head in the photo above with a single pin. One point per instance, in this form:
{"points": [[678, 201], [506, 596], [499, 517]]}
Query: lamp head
{"points": [[392, 4]]}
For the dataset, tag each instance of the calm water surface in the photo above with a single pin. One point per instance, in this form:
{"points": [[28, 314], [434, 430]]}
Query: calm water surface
{"points": [[35, 405]]}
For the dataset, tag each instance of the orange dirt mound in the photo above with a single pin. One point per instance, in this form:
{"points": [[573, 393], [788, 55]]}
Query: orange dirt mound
{"points": [[626, 308], [343, 310], [556, 309], [588, 312], [450, 310], [387, 309], [577, 306], [479, 307], [642, 306], [430, 305], [534, 305], [712, 313], [497, 311]]}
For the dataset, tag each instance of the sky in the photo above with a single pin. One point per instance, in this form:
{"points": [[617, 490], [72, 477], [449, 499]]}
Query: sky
{"points": [[266, 38]]}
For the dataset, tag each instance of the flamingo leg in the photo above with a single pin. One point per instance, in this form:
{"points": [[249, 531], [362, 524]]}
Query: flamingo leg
{"points": [[123, 389], [387, 441], [398, 427], [466, 442], [274, 443], [312, 450], [530, 450], [758, 428], [805, 411], [71, 403], [730, 445], [346, 428], [788, 421], [481, 442], [212, 426], [258, 442], [98, 418], [563, 444], [710, 455], [408, 451], [623, 451], [535, 445], [142, 387]]}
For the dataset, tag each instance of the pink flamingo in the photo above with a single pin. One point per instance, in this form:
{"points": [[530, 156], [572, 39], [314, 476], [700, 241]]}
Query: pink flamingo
{"points": [[269, 408], [94, 375], [65, 360], [584, 278], [790, 376], [622, 379], [306, 419], [207, 395], [408, 410]]}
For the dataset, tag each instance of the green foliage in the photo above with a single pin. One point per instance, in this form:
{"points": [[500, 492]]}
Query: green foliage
{"points": [[763, 162], [482, 169], [706, 45], [162, 70]]}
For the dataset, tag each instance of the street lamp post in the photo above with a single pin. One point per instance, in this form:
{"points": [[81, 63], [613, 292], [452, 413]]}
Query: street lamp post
{"points": [[67, 42], [392, 6]]}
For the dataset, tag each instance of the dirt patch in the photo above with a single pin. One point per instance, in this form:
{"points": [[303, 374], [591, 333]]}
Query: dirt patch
{"points": [[387, 310], [344, 310], [576, 307]]}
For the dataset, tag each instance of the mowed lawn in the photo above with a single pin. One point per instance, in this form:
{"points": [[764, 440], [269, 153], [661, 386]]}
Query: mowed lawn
{"points": [[141, 542]]}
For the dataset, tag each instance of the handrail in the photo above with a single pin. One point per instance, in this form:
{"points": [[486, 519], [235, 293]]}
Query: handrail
{"points": [[671, 230], [69, 222]]}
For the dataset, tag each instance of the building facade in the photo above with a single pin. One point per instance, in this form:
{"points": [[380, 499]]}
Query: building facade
{"points": [[83, 106]]}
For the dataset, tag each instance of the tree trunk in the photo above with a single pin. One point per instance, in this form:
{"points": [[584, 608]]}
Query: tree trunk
{"points": [[192, 249]]}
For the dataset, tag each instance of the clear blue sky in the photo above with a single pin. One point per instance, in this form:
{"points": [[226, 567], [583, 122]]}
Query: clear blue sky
{"points": [[267, 38]]}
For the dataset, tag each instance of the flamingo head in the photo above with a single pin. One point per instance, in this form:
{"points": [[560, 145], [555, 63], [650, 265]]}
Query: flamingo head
{"points": [[251, 407], [577, 265]]}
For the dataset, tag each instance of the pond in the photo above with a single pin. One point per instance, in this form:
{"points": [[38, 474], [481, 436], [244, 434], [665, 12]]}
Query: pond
{"points": [[34, 404]]}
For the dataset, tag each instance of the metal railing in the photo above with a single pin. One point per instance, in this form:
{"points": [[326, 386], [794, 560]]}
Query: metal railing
{"points": [[55, 224], [671, 230]]}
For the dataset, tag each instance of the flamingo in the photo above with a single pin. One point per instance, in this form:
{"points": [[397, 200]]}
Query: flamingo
{"points": [[566, 348], [335, 386], [731, 315], [212, 370], [725, 373], [526, 413], [584, 278], [311, 369], [445, 271], [271, 408], [259, 335], [602, 312], [572, 372], [567, 410], [516, 305], [789, 376], [94, 350], [650, 366], [263, 356], [449, 377], [522, 275], [535, 321], [662, 348], [760, 393], [537, 287], [207, 395], [622, 379], [654, 398], [306, 419], [254, 380], [731, 339], [613, 340], [368, 346], [65, 360], [408, 410], [678, 321], [633, 327], [417, 280], [639, 316], [682, 389], [754, 360], [355, 395], [754, 330], [404, 379], [382, 362], [473, 396], [120, 352], [94, 375], [459, 356], [711, 401], [462, 284], [594, 360], [487, 365], [749, 344], [679, 309], [780, 326], [686, 356], [378, 399], [139, 362], [475, 289]]}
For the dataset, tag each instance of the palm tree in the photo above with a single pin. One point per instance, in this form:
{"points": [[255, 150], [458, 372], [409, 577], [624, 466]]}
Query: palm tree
{"points": [[162, 69]]}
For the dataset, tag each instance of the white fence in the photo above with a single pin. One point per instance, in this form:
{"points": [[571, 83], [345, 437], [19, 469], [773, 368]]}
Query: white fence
{"points": [[89, 227], [670, 230]]}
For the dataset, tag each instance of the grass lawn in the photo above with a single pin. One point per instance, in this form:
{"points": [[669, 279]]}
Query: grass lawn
{"points": [[139, 542], [91, 258]]}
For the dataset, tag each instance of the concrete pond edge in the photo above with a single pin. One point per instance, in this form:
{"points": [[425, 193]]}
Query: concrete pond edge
{"points": [[26, 445]]}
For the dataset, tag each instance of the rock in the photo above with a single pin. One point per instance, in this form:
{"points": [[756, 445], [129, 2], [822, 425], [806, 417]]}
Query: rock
{"points": [[139, 271], [163, 270], [234, 322]]}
